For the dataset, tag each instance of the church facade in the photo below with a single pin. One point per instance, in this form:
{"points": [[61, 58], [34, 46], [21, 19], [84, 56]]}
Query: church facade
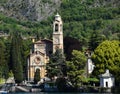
{"points": [[42, 49]]}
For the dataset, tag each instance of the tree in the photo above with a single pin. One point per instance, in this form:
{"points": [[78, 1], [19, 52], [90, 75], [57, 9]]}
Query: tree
{"points": [[61, 84], [25, 46], [55, 67], [3, 63], [95, 39], [107, 56], [16, 57], [7, 55], [37, 76], [2, 57], [70, 44], [75, 68]]}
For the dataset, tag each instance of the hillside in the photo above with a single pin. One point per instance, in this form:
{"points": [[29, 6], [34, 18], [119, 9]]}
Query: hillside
{"points": [[33, 10], [81, 18]]}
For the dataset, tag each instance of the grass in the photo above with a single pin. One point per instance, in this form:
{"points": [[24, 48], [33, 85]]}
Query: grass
{"points": [[2, 80]]}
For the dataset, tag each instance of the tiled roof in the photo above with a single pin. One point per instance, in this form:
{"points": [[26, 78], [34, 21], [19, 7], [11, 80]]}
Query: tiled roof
{"points": [[43, 41], [106, 74], [38, 42]]}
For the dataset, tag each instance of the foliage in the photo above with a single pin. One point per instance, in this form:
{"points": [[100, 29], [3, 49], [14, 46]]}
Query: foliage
{"points": [[37, 76], [25, 50], [3, 1], [46, 1], [26, 28], [87, 21], [55, 67], [75, 68], [2, 80], [16, 57], [61, 83], [95, 39], [83, 17], [11, 73], [93, 80], [2, 58], [80, 21], [3, 64], [71, 44], [107, 56]]}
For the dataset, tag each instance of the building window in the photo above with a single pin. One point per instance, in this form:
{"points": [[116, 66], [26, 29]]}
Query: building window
{"points": [[56, 27], [106, 84]]}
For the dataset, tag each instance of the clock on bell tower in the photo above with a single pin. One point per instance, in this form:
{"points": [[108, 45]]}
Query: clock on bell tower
{"points": [[57, 33]]}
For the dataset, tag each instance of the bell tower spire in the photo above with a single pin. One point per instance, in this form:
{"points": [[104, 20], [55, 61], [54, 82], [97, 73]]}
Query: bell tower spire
{"points": [[57, 33]]}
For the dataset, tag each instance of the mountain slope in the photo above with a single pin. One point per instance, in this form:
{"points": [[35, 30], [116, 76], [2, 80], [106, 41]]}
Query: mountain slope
{"points": [[81, 18], [34, 10]]}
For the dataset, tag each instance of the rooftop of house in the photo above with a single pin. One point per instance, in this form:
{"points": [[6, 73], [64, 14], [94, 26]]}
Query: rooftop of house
{"points": [[106, 74]]}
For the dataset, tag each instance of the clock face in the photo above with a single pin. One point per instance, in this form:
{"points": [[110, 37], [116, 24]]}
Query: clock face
{"points": [[37, 60]]}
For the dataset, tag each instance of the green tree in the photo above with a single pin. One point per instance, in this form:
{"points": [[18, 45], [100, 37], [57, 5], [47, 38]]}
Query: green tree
{"points": [[2, 58], [61, 83], [95, 39], [75, 68], [3, 63], [107, 56], [37, 76], [16, 57], [7, 55], [70, 44], [25, 46], [55, 67]]}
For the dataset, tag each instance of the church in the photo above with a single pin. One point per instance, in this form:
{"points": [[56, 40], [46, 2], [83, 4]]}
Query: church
{"points": [[43, 48]]}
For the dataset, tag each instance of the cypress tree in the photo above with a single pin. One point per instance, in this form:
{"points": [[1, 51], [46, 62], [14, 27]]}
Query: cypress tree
{"points": [[3, 63], [16, 57], [37, 76]]}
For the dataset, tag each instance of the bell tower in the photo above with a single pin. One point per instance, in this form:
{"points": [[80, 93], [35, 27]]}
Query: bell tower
{"points": [[57, 33]]}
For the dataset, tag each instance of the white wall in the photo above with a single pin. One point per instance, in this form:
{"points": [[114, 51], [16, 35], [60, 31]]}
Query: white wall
{"points": [[109, 80]]}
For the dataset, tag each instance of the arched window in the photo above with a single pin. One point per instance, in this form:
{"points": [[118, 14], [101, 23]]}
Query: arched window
{"points": [[37, 68], [56, 27]]}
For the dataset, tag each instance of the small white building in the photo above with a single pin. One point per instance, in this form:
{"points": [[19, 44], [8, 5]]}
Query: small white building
{"points": [[107, 80]]}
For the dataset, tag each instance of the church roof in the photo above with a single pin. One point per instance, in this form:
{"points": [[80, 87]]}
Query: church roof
{"points": [[57, 17], [106, 74], [38, 42], [42, 41], [47, 40]]}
